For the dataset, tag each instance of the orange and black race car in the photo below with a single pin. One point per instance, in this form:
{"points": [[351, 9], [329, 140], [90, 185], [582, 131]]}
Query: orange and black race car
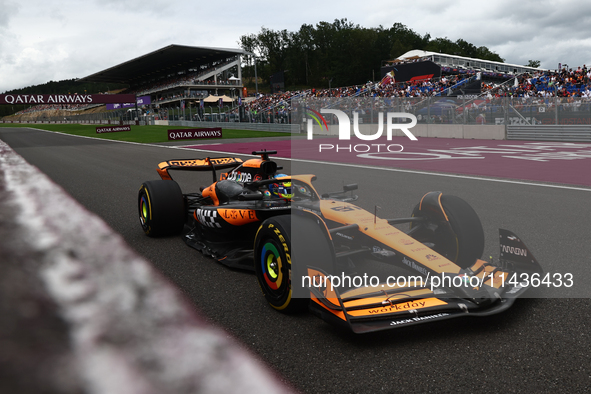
{"points": [[324, 253]]}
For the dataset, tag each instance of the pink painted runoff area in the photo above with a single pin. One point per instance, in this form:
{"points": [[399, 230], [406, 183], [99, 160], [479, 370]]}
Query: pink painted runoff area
{"points": [[556, 162]]}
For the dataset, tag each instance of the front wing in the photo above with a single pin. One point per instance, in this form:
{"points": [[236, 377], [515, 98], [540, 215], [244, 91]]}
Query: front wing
{"points": [[487, 290], [365, 310]]}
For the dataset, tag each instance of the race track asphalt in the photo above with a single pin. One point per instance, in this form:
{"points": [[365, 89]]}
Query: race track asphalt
{"points": [[539, 345]]}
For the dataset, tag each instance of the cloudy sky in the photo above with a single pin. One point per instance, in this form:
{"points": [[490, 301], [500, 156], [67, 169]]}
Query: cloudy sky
{"points": [[42, 40]]}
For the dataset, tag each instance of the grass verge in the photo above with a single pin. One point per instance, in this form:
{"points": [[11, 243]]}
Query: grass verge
{"points": [[142, 134]]}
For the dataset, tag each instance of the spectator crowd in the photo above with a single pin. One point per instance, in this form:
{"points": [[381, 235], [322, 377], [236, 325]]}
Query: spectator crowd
{"points": [[567, 82], [543, 84]]}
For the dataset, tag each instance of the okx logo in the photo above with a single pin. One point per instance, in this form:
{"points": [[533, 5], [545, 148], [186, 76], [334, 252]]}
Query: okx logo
{"points": [[392, 119]]}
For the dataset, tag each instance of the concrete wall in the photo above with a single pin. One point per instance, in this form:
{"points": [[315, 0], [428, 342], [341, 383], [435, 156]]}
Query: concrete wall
{"points": [[492, 132]]}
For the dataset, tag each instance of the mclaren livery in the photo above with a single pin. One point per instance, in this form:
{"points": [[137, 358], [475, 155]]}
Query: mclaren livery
{"points": [[326, 254]]}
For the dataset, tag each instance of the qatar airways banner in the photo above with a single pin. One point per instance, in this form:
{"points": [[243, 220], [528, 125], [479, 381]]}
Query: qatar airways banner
{"points": [[189, 134], [143, 100], [35, 99], [112, 129]]}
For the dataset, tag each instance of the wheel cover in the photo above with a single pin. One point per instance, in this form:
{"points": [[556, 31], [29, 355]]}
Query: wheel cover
{"points": [[272, 266], [144, 210]]}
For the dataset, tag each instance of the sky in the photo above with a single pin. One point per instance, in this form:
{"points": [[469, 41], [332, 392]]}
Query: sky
{"points": [[42, 40]]}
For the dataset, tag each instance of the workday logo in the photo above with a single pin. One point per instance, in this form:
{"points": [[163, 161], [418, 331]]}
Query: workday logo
{"points": [[345, 129]]}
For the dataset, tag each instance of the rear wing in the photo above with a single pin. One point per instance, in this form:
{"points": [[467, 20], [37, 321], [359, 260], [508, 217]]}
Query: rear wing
{"points": [[207, 164]]}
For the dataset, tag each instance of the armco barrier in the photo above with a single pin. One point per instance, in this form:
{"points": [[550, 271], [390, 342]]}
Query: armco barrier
{"points": [[81, 312], [570, 133], [277, 127]]}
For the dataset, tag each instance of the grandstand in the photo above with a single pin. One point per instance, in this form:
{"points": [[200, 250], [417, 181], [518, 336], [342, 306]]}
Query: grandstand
{"points": [[176, 80], [422, 65], [444, 60], [178, 76]]}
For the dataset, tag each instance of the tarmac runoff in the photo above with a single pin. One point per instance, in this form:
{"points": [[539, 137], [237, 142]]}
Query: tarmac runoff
{"points": [[552, 162]]}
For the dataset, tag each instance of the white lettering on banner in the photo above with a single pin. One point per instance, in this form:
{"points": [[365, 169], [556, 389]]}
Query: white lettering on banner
{"points": [[112, 129], [196, 133], [518, 121], [52, 98]]}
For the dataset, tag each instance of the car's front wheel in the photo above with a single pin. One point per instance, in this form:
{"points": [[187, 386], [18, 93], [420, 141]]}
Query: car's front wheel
{"points": [[272, 263], [451, 227]]}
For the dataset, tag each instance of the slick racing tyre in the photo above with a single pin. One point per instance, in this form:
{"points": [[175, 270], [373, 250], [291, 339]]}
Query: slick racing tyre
{"points": [[278, 274], [460, 238], [272, 264], [161, 208]]}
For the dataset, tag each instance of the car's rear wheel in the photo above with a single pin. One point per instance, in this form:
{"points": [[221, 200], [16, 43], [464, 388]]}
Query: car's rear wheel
{"points": [[161, 208], [460, 238]]}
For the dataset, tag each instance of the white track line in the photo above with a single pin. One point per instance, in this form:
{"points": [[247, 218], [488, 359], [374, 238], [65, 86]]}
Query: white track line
{"points": [[474, 178]]}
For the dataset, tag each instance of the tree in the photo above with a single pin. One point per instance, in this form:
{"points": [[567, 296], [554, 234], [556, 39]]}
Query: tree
{"points": [[443, 45], [343, 52], [533, 63]]}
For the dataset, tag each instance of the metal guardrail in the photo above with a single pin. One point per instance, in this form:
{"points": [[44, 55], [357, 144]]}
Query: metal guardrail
{"points": [[570, 133], [284, 128]]}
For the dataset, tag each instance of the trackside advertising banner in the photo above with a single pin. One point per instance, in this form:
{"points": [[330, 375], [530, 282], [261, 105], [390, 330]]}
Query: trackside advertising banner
{"points": [[143, 100], [189, 134], [35, 99], [112, 129]]}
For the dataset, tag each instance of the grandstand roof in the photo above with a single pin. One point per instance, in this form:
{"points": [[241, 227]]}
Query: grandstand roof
{"points": [[418, 53], [165, 60]]}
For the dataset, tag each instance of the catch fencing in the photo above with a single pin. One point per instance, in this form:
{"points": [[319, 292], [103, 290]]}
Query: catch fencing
{"points": [[541, 118]]}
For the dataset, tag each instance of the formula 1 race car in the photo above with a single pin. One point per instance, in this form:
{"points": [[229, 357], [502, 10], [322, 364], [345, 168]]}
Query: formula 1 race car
{"points": [[324, 253]]}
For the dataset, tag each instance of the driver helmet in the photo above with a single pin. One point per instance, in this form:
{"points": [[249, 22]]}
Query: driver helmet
{"points": [[281, 189]]}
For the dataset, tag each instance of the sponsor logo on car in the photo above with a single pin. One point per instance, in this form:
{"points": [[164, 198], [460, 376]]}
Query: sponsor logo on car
{"points": [[240, 176], [409, 306], [207, 217], [415, 266], [514, 250], [418, 319]]}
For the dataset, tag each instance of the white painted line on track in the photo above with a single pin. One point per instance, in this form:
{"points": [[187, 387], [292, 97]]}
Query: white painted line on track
{"points": [[476, 178], [189, 146], [469, 177]]}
